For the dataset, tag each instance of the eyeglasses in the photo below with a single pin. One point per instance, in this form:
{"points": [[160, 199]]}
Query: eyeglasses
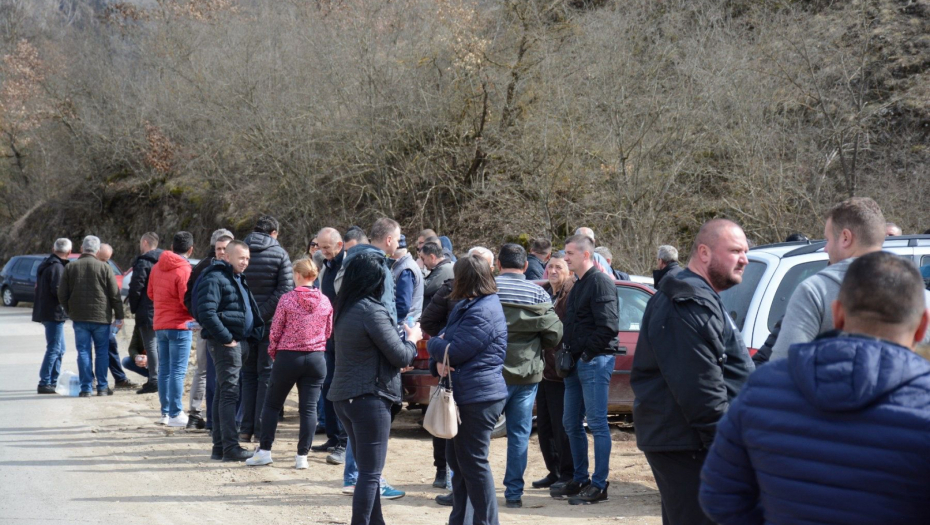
{"points": [[313, 245]]}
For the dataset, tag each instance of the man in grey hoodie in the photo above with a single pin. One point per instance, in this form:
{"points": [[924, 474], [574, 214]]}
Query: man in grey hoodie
{"points": [[854, 227]]}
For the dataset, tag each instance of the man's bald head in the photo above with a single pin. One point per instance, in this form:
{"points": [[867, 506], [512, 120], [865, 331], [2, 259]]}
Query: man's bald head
{"points": [[719, 254], [330, 242], [105, 252], [587, 232]]}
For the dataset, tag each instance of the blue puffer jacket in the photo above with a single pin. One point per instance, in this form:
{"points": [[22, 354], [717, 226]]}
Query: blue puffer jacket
{"points": [[477, 339], [837, 433]]}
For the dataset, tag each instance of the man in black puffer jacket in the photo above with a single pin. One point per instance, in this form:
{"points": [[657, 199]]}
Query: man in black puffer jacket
{"points": [[229, 318], [46, 309], [272, 276], [141, 307]]}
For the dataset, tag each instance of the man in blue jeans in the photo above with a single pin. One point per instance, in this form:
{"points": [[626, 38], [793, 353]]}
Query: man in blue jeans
{"points": [[532, 325], [47, 310], [90, 297], [591, 323]]}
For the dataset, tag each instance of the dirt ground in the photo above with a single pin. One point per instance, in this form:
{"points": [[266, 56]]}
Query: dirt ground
{"points": [[104, 458]]}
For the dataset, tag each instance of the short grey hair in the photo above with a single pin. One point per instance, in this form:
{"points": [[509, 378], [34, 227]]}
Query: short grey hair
{"points": [[62, 245], [484, 253], [587, 232], [604, 252], [218, 235], [668, 253], [90, 244]]}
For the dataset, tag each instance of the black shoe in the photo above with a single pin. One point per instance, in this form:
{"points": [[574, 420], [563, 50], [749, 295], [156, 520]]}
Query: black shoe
{"points": [[84, 394], [46, 389], [514, 504], [444, 499], [195, 423], [590, 495], [325, 447], [148, 388], [238, 454], [440, 481], [338, 456], [546, 482], [107, 392], [217, 453], [127, 384], [572, 488]]}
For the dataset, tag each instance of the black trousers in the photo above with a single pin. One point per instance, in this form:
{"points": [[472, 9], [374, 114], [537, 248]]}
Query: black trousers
{"points": [[678, 475], [367, 421], [228, 364], [307, 370], [553, 442], [256, 373], [467, 454], [439, 453], [334, 429]]}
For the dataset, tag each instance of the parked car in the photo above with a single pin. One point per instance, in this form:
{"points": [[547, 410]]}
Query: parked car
{"points": [[18, 279], [776, 270], [633, 298]]}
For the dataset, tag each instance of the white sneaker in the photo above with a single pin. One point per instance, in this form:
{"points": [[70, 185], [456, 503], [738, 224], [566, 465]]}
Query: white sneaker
{"points": [[348, 490], [261, 457], [163, 420], [300, 462], [179, 420]]}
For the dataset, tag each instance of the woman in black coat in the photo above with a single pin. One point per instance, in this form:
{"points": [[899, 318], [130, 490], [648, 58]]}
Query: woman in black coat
{"points": [[366, 380]]}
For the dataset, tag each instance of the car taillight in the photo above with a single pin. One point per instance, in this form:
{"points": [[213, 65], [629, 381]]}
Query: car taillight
{"points": [[752, 351], [421, 349]]}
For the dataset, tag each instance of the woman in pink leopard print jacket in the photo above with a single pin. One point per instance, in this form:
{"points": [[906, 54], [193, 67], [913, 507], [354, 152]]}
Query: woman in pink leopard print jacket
{"points": [[302, 323]]}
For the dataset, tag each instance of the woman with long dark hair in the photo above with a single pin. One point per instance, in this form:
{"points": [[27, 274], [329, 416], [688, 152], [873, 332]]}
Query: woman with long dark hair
{"points": [[366, 380], [476, 341]]}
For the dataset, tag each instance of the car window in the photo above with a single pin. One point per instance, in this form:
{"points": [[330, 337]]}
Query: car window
{"points": [[925, 269], [114, 268], [632, 304], [787, 286], [35, 267], [8, 267], [737, 299], [22, 267]]}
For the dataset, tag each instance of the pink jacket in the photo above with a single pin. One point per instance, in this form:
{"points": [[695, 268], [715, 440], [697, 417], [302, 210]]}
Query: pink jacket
{"points": [[303, 321]]}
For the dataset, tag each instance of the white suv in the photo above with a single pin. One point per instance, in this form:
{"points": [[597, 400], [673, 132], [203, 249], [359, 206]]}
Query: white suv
{"points": [[775, 271]]}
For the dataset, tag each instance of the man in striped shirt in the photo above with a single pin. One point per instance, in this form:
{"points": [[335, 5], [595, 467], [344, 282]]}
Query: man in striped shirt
{"points": [[532, 325]]}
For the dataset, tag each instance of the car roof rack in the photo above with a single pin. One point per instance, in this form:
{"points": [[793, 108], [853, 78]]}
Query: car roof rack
{"points": [[812, 247], [780, 245]]}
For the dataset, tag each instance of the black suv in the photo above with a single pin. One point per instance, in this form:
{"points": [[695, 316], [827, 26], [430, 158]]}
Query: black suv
{"points": [[18, 279]]}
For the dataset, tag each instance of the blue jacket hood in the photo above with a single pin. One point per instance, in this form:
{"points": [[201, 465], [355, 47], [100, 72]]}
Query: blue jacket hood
{"points": [[841, 372]]}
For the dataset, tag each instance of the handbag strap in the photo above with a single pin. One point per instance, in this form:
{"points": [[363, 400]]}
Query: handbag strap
{"points": [[445, 364]]}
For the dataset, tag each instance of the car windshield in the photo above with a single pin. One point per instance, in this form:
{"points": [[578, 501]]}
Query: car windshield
{"points": [[737, 299]]}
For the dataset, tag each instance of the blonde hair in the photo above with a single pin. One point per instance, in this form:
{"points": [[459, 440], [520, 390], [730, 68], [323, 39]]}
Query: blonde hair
{"points": [[306, 268]]}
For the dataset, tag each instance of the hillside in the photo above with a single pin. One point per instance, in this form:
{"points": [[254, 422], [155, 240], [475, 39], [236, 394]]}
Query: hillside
{"points": [[486, 120]]}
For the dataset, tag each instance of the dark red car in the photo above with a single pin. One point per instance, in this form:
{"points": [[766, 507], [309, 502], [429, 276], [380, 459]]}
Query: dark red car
{"points": [[117, 271], [633, 298]]}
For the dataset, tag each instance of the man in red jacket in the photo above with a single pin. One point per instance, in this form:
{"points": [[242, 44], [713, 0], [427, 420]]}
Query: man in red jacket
{"points": [[167, 286]]}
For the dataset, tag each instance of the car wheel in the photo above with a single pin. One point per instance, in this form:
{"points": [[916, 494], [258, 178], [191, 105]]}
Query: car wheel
{"points": [[500, 428], [8, 299]]}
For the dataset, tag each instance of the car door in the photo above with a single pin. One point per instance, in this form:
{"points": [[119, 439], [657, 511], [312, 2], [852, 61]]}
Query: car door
{"points": [[632, 303], [24, 282]]}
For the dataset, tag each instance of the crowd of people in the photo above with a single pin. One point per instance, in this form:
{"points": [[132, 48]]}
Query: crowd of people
{"points": [[342, 324]]}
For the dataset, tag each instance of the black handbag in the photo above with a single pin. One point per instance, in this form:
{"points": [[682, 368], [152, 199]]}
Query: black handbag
{"points": [[564, 362]]}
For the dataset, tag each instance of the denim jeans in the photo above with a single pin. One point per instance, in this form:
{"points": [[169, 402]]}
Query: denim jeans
{"points": [[467, 455], [98, 336], [256, 373], [367, 420], [174, 352], [519, 412], [54, 351], [228, 363], [131, 365], [118, 375], [350, 470], [586, 390]]}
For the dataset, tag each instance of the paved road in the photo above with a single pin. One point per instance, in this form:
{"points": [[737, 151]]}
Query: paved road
{"points": [[103, 460]]}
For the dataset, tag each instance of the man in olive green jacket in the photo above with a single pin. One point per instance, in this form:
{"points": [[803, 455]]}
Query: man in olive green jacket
{"points": [[91, 298], [532, 325]]}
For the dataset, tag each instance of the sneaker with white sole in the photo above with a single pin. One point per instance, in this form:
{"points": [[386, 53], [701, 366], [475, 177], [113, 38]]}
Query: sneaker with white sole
{"points": [[300, 462], [178, 421], [348, 489], [261, 457], [389, 492], [163, 420]]}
